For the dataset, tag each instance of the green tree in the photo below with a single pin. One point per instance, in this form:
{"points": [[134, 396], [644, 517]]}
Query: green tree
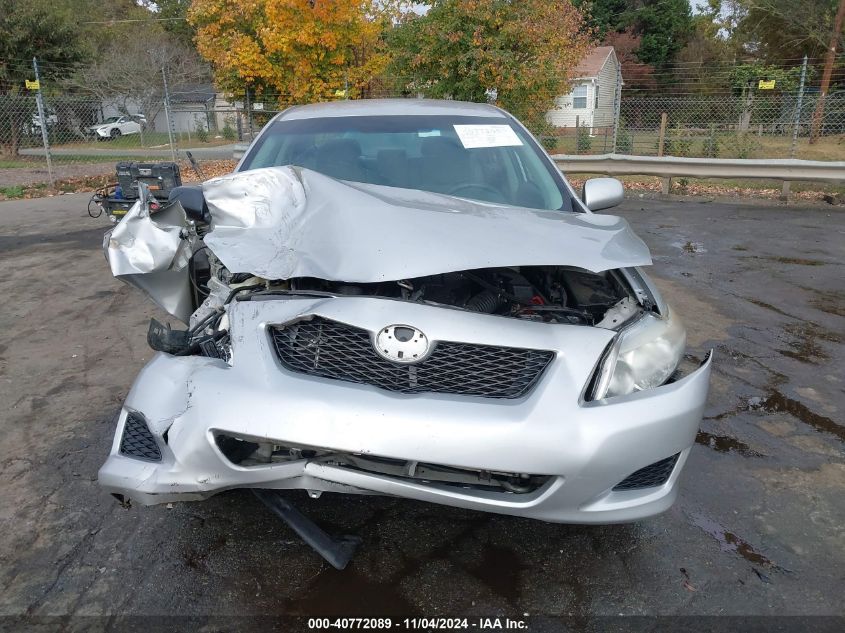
{"points": [[173, 14], [663, 26], [777, 30], [37, 28], [519, 53], [28, 29]]}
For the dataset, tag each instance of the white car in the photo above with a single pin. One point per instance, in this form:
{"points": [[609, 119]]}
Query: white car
{"points": [[35, 127], [116, 126]]}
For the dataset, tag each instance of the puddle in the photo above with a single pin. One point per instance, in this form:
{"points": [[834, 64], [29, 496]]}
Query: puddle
{"points": [[725, 444], [81, 239], [769, 306], [499, 571], [195, 559], [330, 595], [776, 402], [805, 347], [836, 308], [798, 261], [730, 542]]}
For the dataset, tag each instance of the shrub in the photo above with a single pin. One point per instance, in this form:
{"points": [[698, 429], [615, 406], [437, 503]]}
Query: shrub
{"points": [[624, 141], [711, 145], [200, 130], [549, 143], [229, 132], [741, 145], [678, 142], [583, 142]]}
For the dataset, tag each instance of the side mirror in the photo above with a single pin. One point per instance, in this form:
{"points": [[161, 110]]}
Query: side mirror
{"points": [[602, 193], [192, 201]]}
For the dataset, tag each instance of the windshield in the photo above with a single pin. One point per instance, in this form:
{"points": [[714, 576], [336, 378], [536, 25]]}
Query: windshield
{"points": [[483, 158], [112, 119]]}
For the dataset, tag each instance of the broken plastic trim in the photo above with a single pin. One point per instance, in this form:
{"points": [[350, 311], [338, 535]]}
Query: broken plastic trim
{"points": [[254, 453], [336, 551]]}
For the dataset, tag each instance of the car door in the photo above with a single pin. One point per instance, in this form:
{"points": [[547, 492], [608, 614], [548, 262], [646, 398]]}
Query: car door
{"points": [[128, 126]]}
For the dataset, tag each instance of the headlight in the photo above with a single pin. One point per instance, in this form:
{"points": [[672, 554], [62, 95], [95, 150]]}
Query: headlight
{"points": [[643, 357]]}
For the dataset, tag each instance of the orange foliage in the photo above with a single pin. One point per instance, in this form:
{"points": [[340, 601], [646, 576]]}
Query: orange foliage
{"points": [[299, 50], [522, 51]]}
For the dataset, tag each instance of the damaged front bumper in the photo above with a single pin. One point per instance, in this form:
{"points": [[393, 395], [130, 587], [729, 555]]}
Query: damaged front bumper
{"points": [[358, 438]]}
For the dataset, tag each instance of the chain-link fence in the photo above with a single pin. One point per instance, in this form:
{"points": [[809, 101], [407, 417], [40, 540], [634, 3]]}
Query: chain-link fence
{"points": [[86, 136]]}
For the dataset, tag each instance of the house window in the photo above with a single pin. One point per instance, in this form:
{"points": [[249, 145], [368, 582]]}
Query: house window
{"points": [[579, 97], [596, 104]]}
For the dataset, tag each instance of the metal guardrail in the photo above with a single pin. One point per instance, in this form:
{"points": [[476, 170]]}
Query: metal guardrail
{"points": [[785, 169], [239, 150]]}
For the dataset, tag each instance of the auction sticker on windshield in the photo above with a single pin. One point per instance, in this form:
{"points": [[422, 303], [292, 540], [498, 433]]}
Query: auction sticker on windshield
{"points": [[474, 136]]}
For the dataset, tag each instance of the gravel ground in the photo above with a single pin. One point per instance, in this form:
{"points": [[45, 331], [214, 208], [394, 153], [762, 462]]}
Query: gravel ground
{"points": [[759, 528]]}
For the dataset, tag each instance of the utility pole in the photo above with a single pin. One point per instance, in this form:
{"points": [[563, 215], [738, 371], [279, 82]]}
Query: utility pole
{"points": [[167, 115], [830, 57], [42, 117]]}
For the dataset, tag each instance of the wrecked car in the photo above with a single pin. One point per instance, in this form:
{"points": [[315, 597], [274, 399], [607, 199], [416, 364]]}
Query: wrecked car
{"points": [[403, 297]]}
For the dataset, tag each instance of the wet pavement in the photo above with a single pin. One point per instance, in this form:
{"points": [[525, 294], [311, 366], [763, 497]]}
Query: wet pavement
{"points": [[759, 528]]}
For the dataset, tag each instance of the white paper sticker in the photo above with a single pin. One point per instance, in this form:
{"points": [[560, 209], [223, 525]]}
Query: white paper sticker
{"points": [[473, 136]]}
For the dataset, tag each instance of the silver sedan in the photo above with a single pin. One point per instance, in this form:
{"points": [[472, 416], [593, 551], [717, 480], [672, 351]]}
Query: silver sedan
{"points": [[404, 297]]}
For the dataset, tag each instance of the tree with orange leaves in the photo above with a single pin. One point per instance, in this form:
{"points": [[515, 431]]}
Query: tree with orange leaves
{"points": [[520, 52], [297, 50]]}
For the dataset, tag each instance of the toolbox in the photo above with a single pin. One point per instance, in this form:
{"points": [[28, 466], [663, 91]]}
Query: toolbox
{"points": [[159, 177], [116, 199]]}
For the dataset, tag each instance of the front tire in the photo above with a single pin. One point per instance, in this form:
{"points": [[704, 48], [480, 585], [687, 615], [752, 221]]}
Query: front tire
{"points": [[114, 133]]}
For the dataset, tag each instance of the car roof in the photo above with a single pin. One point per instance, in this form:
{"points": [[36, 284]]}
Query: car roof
{"points": [[390, 107]]}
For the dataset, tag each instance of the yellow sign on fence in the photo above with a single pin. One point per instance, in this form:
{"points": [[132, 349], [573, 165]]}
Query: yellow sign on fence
{"points": [[33, 85], [766, 85]]}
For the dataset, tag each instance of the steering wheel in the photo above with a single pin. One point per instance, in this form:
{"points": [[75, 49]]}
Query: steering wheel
{"points": [[478, 186]]}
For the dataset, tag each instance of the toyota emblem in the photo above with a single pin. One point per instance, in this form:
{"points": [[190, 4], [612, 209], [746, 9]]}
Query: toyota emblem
{"points": [[401, 344]]}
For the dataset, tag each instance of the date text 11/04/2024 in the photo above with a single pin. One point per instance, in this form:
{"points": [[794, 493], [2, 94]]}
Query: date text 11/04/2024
{"points": [[414, 624]]}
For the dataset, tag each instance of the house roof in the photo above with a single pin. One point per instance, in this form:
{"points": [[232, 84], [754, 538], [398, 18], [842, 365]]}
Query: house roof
{"points": [[192, 93], [593, 62]]}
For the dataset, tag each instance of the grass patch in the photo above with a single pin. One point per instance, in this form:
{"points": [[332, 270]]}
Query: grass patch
{"points": [[13, 192], [717, 187], [159, 140], [699, 143]]}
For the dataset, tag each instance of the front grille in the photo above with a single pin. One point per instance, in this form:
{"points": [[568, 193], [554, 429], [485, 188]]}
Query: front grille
{"points": [[138, 441], [321, 347], [652, 475]]}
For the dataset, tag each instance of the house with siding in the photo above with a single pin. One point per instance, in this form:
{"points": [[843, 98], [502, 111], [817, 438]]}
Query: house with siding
{"points": [[591, 101]]}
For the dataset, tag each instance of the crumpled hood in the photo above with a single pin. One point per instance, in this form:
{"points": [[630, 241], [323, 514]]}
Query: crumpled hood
{"points": [[284, 222]]}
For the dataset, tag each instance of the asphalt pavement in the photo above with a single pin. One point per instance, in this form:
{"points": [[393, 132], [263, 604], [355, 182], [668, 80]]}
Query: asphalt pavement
{"points": [[759, 528]]}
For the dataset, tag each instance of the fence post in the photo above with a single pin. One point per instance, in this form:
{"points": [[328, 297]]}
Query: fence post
{"points": [[712, 153], [167, 115], [617, 105], [39, 101], [797, 120], [577, 134], [664, 118], [248, 105]]}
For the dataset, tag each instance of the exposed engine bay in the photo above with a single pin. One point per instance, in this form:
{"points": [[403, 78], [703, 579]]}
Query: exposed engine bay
{"points": [[548, 294]]}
